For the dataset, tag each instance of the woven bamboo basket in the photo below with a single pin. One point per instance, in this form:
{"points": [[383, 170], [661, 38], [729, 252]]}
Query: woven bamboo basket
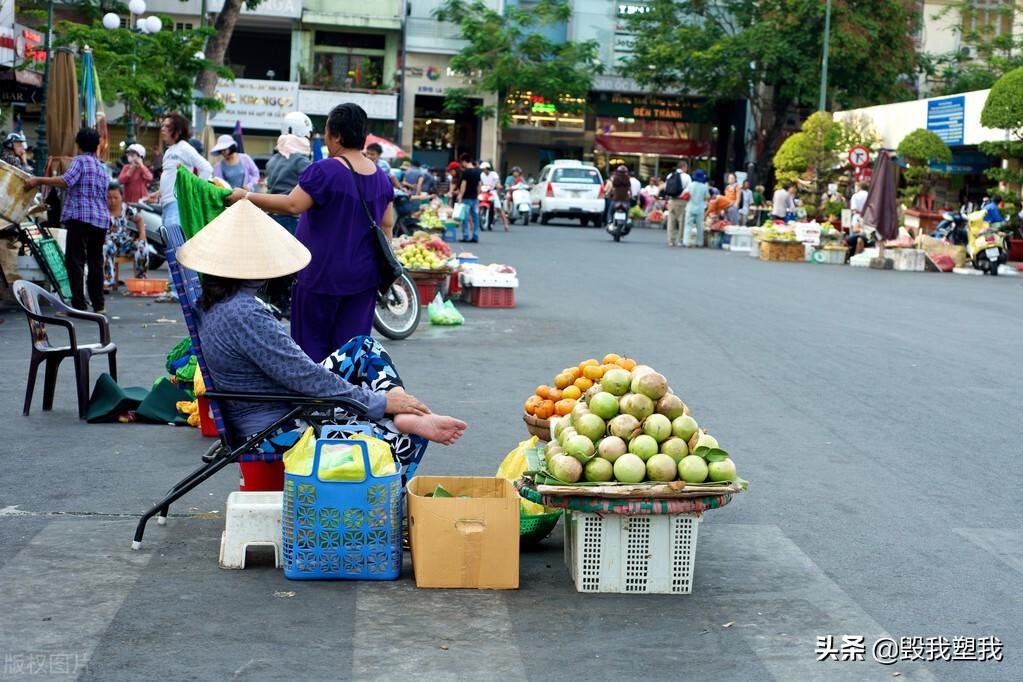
{"points": [[790, 252], [541, 428]]}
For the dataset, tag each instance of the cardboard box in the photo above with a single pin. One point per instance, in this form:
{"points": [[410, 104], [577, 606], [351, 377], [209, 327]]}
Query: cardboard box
{"points": [[459, 542]]}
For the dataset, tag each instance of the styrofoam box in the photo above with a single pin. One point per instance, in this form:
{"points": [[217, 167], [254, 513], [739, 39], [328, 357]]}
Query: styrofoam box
{"points": [[502, 280], [742, 238], [910, 260], [653, 553]]}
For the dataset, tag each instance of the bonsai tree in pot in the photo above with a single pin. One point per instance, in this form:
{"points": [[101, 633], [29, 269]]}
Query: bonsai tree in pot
{"points": [[1003, 109], [920, 149]]}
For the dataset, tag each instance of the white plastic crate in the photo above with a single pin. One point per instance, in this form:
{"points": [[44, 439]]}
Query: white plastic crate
{"points": [[639, 554]]}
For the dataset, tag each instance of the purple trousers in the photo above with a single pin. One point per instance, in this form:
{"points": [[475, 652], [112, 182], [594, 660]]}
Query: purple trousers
{"points": [[320, 323]]}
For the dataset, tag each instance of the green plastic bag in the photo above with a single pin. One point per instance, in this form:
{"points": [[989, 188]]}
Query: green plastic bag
{"points": [[443, 312], [339, 461]]}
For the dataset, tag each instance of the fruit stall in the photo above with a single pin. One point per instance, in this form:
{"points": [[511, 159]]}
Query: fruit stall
{"points": [[428, 260], [632, 469]]}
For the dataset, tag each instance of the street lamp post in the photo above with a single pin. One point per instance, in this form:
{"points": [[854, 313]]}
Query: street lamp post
{"points": [[140, 25], [822, 103], [41, 151]]}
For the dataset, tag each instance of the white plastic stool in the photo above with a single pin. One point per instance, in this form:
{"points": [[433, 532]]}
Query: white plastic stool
{"points": [[251, 520]]}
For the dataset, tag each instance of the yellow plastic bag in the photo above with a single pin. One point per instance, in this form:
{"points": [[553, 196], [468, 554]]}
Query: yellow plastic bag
{"points": [[343, 462], [339, 462], [512, 467]]}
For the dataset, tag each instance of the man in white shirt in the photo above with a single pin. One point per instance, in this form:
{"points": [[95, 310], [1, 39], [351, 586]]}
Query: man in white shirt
{"points": [[857, 202], [784, 202], [490, 181], [858, 239], [675, 187]]}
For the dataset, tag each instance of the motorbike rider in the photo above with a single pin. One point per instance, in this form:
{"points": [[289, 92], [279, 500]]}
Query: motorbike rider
{"points": [[292, 155], [621, 190], [13, 153], [993, 213], [491, 181]]}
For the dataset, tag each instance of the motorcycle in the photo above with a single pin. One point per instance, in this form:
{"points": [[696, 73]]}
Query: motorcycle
{"points": [[397, 311], [156, 244], [486, 206], [620, 223], [952, 228], [396, 314], [520, 206], [986, 247]]}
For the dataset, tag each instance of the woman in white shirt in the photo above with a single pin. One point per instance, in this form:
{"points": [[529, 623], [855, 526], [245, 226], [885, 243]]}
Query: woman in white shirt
{"points": [[174, 132]]}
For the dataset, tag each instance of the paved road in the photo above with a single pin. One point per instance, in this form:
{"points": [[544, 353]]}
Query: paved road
{"points": [[875, 414]]}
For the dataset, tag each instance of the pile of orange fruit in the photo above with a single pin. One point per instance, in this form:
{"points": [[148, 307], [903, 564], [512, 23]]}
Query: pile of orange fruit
{"points": [[570, 384]]}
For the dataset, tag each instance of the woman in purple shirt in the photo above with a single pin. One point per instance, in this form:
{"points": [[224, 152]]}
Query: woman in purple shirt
{"points": [[333, 299]]}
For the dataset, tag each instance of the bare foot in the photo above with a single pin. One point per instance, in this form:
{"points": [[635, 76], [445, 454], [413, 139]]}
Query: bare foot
{"points": [[435, 427]]}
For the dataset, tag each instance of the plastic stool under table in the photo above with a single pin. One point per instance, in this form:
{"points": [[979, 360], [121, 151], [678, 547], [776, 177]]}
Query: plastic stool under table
{"points": [[252, 520]]}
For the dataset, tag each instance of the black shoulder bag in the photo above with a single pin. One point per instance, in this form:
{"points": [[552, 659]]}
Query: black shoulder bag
{"points": [[387, 263]]}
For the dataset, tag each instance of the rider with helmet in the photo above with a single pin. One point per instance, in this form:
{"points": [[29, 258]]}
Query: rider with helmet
{"points": [[14, 152], [292, 155]]}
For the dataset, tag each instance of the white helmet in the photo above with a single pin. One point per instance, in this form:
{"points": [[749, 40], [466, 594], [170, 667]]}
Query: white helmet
{"points": [[297, 123]]}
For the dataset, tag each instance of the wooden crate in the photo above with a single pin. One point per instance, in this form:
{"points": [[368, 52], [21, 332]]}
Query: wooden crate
{"points": [[782, 251]]}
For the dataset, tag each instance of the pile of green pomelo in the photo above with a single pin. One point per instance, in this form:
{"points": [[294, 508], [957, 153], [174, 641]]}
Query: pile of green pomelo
{"points": [[631, 428]]}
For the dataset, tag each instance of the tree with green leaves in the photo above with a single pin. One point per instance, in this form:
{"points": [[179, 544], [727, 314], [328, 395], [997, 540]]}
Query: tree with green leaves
{"points": [[818, 154], [988, 49], [920, 149], [508, 53], [165, 65], [768, 52], [1003, 110], [220, 38]]}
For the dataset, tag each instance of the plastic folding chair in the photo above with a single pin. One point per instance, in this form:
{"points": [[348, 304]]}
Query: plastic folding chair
{"points": [[30, 297], [231, 448]]}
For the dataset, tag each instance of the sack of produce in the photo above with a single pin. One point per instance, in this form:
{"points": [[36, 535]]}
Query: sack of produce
{"points": [[512, 467], [444, 313]]}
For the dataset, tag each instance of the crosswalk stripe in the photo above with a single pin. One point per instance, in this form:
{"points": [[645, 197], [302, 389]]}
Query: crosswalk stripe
{"points": [[786, 603], [61, 592], [402, 633]]}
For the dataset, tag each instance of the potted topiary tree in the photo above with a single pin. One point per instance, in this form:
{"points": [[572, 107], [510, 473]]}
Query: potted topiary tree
{"points": [[1003, 110], [920, 149]]}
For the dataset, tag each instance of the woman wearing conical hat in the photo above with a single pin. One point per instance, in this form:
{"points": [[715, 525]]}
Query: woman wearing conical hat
{"points": [[247, 350]]}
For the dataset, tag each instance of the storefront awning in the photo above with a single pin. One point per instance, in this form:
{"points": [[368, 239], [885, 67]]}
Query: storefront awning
{"points": [[664, 146]]}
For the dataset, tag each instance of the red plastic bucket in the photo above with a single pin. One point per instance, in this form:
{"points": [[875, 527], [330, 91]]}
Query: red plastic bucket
{"points": [[261, 476], [207, 426]]}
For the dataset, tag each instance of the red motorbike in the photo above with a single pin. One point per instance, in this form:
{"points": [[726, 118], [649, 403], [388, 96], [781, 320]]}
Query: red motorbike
{"points": [[487, 199]]}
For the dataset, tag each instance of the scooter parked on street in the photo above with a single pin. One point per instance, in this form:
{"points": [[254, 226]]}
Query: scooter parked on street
{"points": [[986, 248], [952, 228], [620, 223], [520, 206]]}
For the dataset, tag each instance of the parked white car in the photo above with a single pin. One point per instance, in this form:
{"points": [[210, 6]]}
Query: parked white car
{"points": [[569, 189]]}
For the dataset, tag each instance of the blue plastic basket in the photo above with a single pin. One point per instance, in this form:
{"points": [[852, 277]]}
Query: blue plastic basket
{"points": [[342, 529]]}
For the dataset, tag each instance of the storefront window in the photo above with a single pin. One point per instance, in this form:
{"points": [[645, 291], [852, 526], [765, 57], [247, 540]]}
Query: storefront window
{"points": [[347, 70], [527, 109], [623, 125], [434, 133]]}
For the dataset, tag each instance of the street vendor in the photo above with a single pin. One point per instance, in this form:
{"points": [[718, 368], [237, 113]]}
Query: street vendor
{"points": [[247, 350]]}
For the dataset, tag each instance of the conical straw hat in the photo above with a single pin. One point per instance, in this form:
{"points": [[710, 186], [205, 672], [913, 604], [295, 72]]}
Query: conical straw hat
{"points": [[244, 243]]}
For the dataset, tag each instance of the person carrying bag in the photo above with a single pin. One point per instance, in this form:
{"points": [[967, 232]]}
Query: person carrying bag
{"points": [[346, 218]]}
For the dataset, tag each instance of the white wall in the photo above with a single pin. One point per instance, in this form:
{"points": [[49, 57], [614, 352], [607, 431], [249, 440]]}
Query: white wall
{"points": [[938, 34], [895, 121]]}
